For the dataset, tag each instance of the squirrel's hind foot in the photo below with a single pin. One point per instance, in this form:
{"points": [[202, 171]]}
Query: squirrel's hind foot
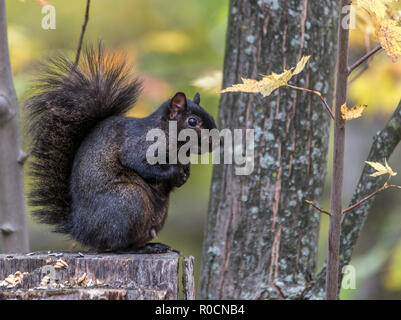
{"points": [[151, 248]]}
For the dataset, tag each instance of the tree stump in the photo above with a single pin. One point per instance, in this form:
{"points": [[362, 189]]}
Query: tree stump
{"points": [[73, 275]]}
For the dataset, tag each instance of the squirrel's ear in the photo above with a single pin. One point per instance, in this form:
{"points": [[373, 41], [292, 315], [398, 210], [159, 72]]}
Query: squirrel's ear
{"points": [[197, 98], [178, 104]]}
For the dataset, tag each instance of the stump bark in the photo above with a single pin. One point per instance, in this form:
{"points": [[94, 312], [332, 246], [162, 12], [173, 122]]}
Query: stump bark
{"points": [[72, 275]]}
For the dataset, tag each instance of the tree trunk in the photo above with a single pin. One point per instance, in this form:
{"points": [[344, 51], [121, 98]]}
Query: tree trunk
{"points": [[261, 237], [12, 204]]}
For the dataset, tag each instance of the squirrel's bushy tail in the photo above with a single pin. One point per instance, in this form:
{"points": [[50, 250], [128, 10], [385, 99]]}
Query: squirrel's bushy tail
{"points": [[68, 102]]}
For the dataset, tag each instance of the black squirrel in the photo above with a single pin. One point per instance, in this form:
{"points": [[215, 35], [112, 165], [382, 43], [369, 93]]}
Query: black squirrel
{"points": [[90, 175]]}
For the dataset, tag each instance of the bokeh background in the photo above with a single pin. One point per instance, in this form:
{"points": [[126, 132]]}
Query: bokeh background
{"points": [[178, 45]]}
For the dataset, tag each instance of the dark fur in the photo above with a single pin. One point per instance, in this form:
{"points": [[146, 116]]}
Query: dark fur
{"points": [[91, 177]]}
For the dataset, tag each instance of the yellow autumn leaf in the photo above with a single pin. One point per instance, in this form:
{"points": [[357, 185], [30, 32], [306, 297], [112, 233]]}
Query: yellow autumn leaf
{"points": [[268, 83], [389, 34], [381, 169], [274, 81], [387, 23], [248, 85], [301, 65], [375, 7], [394, 7], [351, 114]]}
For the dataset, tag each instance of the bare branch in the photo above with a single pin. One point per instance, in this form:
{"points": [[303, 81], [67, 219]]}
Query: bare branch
{"points": [[364, 58], [81, 38], [366, 198], [385, 186], [317, 208], [316, 93], [332, 274], [383, 146]]}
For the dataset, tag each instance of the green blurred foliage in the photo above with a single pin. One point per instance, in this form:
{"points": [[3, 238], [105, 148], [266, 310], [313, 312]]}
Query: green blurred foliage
{"points": [[178, 45]]}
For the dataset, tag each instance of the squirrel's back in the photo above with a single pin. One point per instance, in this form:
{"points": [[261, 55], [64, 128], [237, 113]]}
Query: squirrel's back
{"points": [[69, 101]]}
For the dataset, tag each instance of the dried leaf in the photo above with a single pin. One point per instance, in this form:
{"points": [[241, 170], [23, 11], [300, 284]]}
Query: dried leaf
{"points": [[351, 114], [248, 85], [389, 34], [387, 23], [61, 264], [10, 279], [99, 283], [81, 278], [375, 7], [13, 279], [268, 83], [381, 169], [45, 280], [301, 65]]}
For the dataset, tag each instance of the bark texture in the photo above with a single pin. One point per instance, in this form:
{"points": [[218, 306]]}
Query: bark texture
{"points": [[93, 276], [13, 230], [261, 237], [188, 280]]}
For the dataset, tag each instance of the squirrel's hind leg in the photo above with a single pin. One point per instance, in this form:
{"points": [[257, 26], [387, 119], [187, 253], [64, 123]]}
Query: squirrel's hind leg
{"points": [[106, 223]]}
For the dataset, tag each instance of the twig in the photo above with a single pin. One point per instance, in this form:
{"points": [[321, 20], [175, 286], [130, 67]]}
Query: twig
{"points": [[384, 187], [366, 198], [316, 93], [81, 38], [364, 58], [317, 208]]}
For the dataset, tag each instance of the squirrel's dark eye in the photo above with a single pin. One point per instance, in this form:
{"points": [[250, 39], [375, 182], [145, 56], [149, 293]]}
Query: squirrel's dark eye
{"points": [[192, 122]]}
